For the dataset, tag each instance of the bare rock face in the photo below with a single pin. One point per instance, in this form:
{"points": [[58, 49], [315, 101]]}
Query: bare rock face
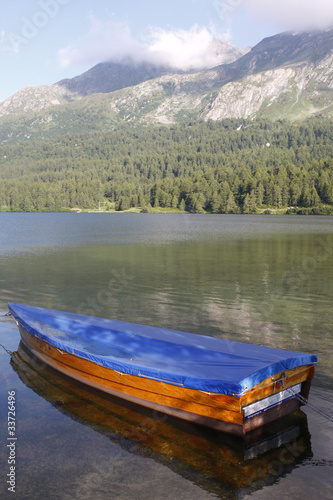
{"points": [[291, 92], [225, 52], [35, 99]]}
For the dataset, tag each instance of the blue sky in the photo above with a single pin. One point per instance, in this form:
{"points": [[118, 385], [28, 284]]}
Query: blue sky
{"points": [[44, 41]]}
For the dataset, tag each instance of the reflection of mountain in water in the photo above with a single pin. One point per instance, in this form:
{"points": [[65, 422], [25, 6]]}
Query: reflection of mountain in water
{"points": [[213, 460]]}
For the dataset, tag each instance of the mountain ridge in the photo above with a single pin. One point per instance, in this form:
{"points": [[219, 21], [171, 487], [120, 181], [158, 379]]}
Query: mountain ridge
{"points": [[286, 76], [109, 76]]}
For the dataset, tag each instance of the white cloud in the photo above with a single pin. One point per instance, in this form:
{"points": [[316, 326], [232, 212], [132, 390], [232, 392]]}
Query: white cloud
{"points": [[293, 14], [109, 40], [105, 40], [182, 49]]}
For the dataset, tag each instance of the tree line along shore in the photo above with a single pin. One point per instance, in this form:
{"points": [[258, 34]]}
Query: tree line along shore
{"points": [[232, 166]]}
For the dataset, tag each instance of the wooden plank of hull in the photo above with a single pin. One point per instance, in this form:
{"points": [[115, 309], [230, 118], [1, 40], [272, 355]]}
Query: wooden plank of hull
{"points": [[219, 411]]}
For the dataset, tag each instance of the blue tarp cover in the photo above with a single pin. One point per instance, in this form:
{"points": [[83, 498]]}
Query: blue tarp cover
{"points": [[195, 361]]}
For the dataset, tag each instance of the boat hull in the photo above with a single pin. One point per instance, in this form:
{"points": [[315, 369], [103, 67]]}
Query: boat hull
{"points": [[203, 453], [236, 415]]}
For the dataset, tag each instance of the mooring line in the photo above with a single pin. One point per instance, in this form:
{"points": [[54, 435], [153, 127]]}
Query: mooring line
{"points": [[313, 407], [7, 350], [319, 462]]}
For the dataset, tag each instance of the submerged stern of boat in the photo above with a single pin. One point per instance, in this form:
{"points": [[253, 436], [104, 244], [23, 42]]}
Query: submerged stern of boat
{"points": [[276, 397]]}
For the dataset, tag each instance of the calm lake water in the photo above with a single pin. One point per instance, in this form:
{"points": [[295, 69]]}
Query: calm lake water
{"points": [[261, 279]]}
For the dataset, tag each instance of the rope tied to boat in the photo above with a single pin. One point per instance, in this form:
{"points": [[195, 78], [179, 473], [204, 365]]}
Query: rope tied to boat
{"points": [[304, 401], [7, 350], [3, 347]]}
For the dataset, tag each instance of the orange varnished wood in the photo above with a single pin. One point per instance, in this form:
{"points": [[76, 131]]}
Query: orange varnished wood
{"points": [[220, 411], [144, 389]]}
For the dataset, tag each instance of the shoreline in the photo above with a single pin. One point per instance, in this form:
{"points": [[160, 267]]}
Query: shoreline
{"points": [[267, 211]]}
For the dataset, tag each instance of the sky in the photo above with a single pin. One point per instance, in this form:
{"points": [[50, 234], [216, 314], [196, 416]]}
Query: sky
{"points": [[44, 41]]}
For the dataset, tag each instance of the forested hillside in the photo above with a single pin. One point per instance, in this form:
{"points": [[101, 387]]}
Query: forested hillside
{"points": [[233, 166]]}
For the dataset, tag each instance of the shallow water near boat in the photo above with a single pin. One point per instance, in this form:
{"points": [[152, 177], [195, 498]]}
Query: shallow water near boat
{"points": [[265, 280]]}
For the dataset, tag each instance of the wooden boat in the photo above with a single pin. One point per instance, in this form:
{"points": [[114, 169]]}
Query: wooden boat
{"points": [[230, 386], [208, 458]]}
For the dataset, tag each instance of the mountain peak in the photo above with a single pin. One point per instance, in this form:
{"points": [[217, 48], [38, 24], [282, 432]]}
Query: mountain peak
{"points": [[109, 76]]}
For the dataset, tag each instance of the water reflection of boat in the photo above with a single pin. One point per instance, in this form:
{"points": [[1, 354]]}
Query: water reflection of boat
{"points": [[226, 385], [215, 460]]}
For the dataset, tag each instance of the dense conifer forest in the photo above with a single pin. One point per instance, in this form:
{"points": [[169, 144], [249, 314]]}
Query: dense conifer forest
{"points": [[232, 166]]}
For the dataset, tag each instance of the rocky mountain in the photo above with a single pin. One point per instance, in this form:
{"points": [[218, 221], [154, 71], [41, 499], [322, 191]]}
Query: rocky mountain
{"points": [[35, 99], [284, 49], [110, 76], [279, 51], [289, 76], [105, 77]]}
